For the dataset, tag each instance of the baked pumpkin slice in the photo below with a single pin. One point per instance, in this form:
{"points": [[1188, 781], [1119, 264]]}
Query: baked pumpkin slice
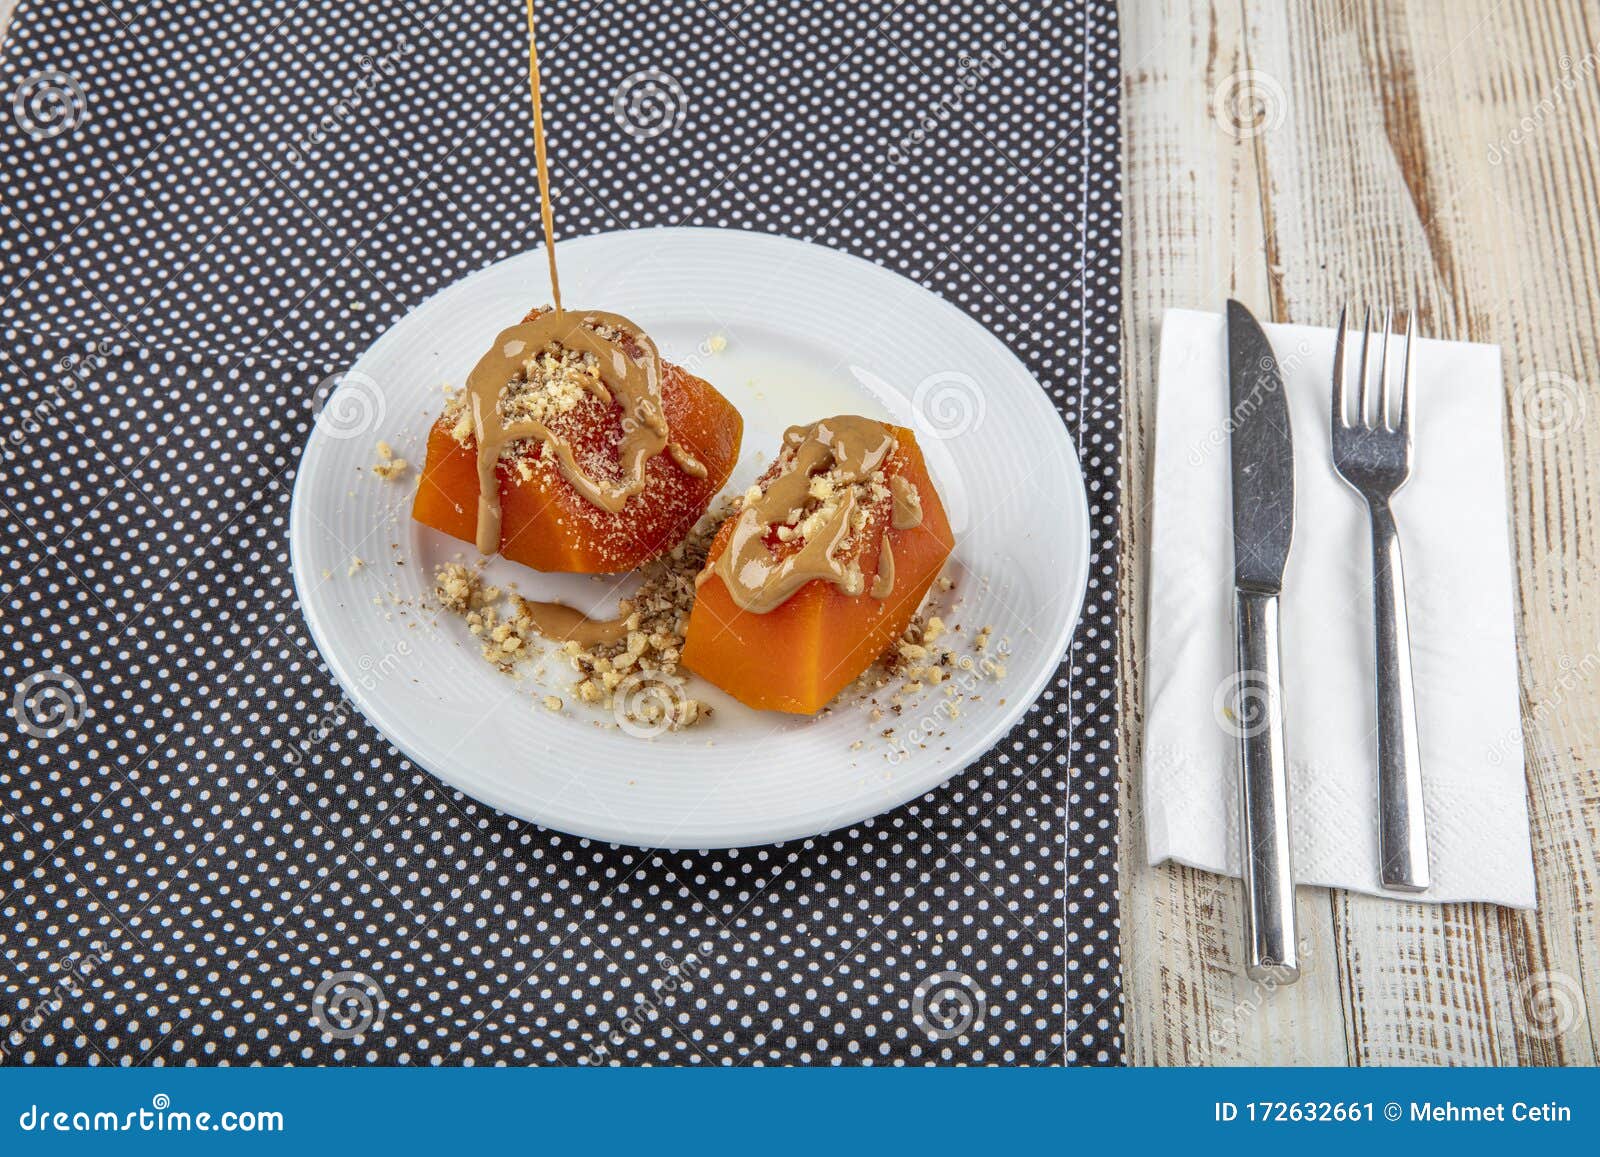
{"points": [[820, 568], [577, 447]]}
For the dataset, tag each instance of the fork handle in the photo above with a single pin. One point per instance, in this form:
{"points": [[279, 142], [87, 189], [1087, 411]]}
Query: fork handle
{"points": [[1271, 947], [1402, 829]]}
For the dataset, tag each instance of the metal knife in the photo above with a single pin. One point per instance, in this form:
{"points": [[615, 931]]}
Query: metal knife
{"points": [[1262, 451]]}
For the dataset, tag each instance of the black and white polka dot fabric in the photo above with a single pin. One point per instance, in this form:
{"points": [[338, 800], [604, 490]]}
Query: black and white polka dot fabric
{"points": [[207, 209]]}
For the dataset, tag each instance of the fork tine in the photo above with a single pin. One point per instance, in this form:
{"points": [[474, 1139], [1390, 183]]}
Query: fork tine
{"points": [[1380, 421], [1340, 391], [1405, 383], [1361, 393]]}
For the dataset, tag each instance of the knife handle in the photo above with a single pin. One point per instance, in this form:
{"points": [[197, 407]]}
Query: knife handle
{"points": [[1271, 947]]}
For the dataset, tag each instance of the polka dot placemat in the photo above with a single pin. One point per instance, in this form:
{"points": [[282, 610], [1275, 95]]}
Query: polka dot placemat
{"points": [[208, 209]]}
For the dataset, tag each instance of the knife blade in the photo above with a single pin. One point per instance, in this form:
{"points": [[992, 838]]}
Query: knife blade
{"points": [[1261, 448]]}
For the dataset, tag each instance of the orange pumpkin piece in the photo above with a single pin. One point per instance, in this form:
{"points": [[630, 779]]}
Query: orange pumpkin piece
{"points": [[545, 522], [797, 656]]}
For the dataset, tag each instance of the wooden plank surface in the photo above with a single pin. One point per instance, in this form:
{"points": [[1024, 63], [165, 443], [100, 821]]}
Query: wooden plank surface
{"points": [[1445, 157]]}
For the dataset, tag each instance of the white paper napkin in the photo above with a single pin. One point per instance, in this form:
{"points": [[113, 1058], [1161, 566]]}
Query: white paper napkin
{"points": [[1456, 544]]}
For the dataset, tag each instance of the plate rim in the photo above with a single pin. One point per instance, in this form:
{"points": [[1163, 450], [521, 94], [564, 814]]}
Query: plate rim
{"points": [[798, 826]]}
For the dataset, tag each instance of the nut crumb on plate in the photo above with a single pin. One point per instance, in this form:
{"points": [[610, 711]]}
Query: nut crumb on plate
{"points": [[388, 467], [637, 677]]}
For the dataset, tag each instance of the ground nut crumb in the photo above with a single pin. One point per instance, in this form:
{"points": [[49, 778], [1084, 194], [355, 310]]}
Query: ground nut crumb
{"points": [[928, 674], [388, 467], [455, 587], [636, 677], [549, 383], [922, 678]]}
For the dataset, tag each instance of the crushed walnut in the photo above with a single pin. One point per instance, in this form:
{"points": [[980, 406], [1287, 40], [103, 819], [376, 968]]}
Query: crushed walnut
{"points": [[553, 381], [491, 614], [827, 492], [455, 587], [636, 677], [658, 618], [388, 467], [927, 677], [921, 682]]}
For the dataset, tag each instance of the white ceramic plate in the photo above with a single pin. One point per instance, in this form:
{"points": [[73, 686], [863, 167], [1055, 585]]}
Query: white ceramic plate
{"points": [[810, 332]]}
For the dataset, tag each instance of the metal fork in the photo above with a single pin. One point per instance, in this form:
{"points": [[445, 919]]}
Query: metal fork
{"points": [[1373, 454]]}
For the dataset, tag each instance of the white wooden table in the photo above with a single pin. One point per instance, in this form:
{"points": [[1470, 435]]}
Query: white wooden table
{"points": [[1446, 156]]}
